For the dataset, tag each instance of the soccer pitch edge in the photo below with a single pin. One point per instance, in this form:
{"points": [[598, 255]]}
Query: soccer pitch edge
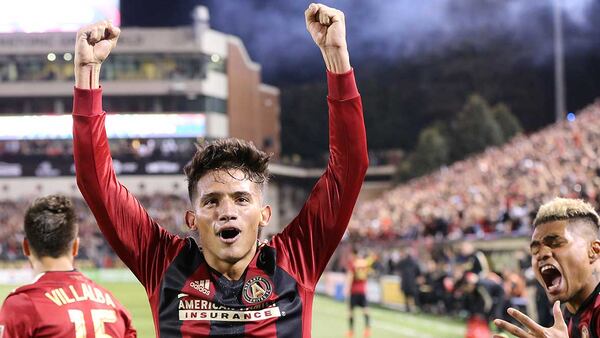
{"points": [[330, 317]]}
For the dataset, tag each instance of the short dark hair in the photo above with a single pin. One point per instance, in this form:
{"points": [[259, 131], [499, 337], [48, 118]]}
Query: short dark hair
{"points": [[227, 154], [50, 226]]}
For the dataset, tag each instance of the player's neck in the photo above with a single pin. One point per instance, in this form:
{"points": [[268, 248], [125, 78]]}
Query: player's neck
{"points": [[231, 271], [46, 264], [575, 302]]}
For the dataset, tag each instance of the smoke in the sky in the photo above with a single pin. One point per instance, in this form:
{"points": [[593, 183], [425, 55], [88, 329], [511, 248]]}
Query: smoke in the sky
{"points": [[275, 36]]}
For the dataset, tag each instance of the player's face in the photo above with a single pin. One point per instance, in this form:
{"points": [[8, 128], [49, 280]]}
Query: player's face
{"points": [[229, 213], [559, 258]]}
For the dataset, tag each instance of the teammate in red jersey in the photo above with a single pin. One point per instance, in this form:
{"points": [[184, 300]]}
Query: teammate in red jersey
{"points": [[358, 272], [233, 286], [565, 251], [61, 302]]}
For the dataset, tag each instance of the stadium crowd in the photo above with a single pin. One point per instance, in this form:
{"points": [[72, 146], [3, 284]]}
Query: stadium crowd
{"points": [[164, 208], [493, 193], [166, 148]]}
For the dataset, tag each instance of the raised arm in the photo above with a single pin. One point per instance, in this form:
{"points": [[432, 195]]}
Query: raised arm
{"points": [[312, 237], [145, 247]]}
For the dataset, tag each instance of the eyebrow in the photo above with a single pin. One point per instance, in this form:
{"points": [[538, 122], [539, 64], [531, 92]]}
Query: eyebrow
{"points": [[220, 194], [211, 195], [241, 193], [545, 239]]}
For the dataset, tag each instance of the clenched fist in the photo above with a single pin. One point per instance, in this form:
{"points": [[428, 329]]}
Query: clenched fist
{"points": [[327, 27], [92, 47]]}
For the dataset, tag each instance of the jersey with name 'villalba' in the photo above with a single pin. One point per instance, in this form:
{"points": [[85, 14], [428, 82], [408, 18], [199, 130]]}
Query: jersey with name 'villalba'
{"points": [[64, 304]]}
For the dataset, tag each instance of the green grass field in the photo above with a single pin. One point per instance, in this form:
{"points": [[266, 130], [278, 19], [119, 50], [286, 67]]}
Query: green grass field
{"points": [[329, 317]]}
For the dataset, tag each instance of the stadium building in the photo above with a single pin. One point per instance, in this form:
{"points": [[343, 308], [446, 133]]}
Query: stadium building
{"points": [[165, 89], [184, 70]]}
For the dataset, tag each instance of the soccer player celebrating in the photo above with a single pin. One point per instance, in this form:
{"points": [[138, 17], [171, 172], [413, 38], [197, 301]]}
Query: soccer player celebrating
{"points": [[230, 284], [61, 302], [565, 253]]}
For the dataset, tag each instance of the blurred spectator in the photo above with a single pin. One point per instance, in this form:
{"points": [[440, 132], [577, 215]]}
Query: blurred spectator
{"points": [[137, 148], [165, 209], [409, 274]]}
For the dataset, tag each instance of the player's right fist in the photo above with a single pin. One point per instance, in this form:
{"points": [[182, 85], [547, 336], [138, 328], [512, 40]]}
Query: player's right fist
{"points": [[94, 43]]}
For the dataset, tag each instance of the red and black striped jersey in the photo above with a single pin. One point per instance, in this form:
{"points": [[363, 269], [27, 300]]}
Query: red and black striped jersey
{"points": [[187, 297], [360, 268], [586, 322], [64, 304]]}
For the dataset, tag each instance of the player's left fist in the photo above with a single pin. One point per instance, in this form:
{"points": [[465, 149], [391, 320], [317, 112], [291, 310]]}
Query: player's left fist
{"points": [[327, 26]]}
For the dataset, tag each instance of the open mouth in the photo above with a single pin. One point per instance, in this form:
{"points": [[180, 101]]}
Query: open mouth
{"points": [[229, 234], [552, 277]]}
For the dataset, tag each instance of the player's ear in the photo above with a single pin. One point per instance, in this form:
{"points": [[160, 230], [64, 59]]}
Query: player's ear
{"points": [[190, 220], [594, 250], [265, 216], [26, 248], [75, 247]]}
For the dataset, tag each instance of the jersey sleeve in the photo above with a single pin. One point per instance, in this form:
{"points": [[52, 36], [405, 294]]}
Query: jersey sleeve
{"points": [[18, 317], [311, 238], [144, 246]]}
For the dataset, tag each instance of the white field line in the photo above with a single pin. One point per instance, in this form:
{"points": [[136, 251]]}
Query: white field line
{"points": [[405, 331]]}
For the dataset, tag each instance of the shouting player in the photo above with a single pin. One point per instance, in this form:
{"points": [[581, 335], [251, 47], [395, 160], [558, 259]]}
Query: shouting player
{"points": [[61, 302], [229, 284], [565, 255]]}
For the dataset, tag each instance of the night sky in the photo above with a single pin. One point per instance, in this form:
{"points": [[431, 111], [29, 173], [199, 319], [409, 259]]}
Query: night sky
{"points": [[275, 36], [403, 52]]}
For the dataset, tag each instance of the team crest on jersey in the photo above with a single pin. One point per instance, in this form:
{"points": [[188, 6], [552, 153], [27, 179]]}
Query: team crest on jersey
{"points": [[202, 286], [585, 333], [256, 290]]}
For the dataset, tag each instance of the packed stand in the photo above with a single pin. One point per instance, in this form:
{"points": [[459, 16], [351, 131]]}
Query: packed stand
{"points": [[494, 193], [165, 209]]}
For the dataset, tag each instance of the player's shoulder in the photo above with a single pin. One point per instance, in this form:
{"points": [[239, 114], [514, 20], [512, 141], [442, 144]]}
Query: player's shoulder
{"points": [[26, 290], [48, 281], [593, 310], [17, 303], [19, 299], [595, 305], [25, 296]]}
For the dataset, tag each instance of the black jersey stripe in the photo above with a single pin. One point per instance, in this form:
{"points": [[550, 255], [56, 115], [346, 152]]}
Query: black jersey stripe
{"points": [[290, 303], [184, 265], [228, 293]]}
